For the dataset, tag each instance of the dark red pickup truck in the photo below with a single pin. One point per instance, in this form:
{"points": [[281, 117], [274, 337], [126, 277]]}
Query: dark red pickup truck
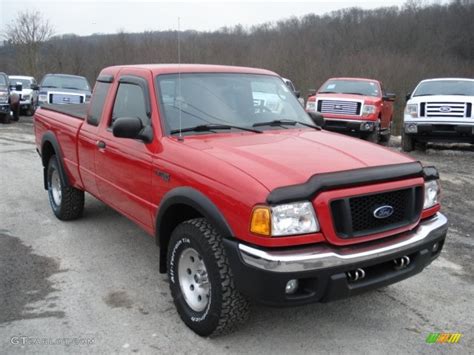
{"points": [[248, 199], [355, 106]]}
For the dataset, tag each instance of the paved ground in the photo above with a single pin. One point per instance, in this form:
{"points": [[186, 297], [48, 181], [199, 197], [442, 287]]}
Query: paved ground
{"points": [[95, 280]]}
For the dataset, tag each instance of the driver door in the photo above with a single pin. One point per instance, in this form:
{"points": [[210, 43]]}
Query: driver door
{"points": [[124, 166]]}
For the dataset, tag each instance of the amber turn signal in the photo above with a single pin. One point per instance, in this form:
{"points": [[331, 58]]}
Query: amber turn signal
{"points": [[261, 221]]}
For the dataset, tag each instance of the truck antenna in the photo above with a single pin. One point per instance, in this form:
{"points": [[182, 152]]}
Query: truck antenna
{"points": [[180, 137]]}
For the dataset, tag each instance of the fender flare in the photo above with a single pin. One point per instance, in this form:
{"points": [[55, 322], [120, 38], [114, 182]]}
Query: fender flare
{"points": [[50, 138], [196, 200]]}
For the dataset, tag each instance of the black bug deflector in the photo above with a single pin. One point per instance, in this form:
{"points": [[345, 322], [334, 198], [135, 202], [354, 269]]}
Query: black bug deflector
{"points": [[342, 179]]}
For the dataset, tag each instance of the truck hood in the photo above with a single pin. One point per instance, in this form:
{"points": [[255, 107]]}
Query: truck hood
{"points": [[285, 157], [441, 98], [365, 99]]}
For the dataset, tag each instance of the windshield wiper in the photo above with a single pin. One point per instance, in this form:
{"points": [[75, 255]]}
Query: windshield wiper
{"points": [[285, 123], [49, 86], [211, 127], [72, 88]]}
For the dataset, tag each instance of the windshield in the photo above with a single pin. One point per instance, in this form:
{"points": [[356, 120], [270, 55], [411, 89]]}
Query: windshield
{"points": [[26, 83], [227, 99], [66, 82], [3, 80], [445, 87], [357, 87]]}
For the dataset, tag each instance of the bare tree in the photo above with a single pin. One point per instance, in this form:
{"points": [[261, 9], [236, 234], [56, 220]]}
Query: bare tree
{"points": [[27, 32]]}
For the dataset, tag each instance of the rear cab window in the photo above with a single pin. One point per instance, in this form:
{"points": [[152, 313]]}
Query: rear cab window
{"points": [[97, 105]]}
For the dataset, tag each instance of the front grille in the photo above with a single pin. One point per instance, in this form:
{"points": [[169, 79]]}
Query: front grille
{"points": [[66, 99], [339, 107], [354, 216], [445, 109]]}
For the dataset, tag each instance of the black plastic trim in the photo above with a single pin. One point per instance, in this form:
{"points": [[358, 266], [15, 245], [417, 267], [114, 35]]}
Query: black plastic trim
{"points": [[342, 179], [143, 84], [105, 78], [199, 202], [430, 173]]}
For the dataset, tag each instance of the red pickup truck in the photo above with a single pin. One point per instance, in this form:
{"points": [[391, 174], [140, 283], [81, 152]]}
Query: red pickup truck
{"points": [[355, 106], [247, 198]]}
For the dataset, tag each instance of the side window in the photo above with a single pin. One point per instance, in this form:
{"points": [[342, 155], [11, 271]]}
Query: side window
{"points": [[97, 104], [130, 102]]}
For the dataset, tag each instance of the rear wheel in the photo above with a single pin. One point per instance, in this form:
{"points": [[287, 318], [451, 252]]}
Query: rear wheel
{"points": [[66, 202], [408, 143], [201, 280]]}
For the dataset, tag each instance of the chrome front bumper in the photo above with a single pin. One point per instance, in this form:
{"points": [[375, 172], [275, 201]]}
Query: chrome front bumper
{"points": [[323, 256]]}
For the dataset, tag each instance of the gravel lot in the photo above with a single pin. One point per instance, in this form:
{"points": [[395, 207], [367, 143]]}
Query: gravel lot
{"points": [[95, 281]]}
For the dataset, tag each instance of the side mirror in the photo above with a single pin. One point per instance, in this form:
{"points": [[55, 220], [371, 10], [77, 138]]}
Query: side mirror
{"points": [[18, 87], [389, 97], [34, 87], [407, 97], [132, 128], [297, 94], [317, 118]]}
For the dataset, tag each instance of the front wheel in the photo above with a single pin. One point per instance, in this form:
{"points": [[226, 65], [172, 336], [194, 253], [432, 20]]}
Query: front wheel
{"points": [[201, 280], [408, 143], [66, 202], [385, 137]]}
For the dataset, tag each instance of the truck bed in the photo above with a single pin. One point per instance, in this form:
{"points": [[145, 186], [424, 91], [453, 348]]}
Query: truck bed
{"points": [[74, 110]]}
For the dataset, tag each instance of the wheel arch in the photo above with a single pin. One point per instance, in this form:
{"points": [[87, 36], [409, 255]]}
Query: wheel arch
{"points": [[50, 147], [182, 204]]}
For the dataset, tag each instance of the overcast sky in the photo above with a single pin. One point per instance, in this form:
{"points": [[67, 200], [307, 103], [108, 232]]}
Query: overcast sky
{"points": [[84, 17]]}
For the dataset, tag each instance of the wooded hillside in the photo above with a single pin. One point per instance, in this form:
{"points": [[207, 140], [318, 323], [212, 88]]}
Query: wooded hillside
{"points": [[399, 46]]}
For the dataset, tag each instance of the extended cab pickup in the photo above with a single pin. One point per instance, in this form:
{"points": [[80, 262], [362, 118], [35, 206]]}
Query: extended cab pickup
{"points": [[246, 202], [439, 110], [355, 106]]}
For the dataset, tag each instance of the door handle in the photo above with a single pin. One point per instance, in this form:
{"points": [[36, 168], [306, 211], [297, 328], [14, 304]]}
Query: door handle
{"points": [[101, 144]]}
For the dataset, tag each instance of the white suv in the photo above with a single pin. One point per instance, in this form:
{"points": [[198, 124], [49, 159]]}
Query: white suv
{"points": [[28, 94], [439, 110]]}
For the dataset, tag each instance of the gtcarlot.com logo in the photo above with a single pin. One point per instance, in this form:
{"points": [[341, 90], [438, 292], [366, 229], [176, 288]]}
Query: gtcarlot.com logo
{"points": [[442, 338], [27, 340]]}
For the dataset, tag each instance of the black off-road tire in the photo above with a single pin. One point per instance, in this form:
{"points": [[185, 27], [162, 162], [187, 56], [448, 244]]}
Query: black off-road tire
{"points": [[385, 137], [373, 137], [408, 143], [71, 205], [30, 111], [16, 114], [227, 307]]}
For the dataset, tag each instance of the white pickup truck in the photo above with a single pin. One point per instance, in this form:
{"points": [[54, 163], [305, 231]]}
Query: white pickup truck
{"points": [[439, 110]]}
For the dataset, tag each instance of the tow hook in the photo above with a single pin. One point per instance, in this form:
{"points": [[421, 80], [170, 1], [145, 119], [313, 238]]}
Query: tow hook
{"points": [[354, 275], [402, 262]]}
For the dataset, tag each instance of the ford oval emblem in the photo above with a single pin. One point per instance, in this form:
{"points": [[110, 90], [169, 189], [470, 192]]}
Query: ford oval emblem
{"points": [[445, 109], [383, 212]]}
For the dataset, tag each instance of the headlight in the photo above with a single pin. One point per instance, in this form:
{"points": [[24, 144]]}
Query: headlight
{"points": [[412, 110], [368, 110], [43, 98], [432, 192], [287, 219], [25, 97], [311, 106], [3, 97]]}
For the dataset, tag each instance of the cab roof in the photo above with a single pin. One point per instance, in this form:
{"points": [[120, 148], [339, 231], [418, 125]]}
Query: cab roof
{"points": [[353, 79], [189, 68]]}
